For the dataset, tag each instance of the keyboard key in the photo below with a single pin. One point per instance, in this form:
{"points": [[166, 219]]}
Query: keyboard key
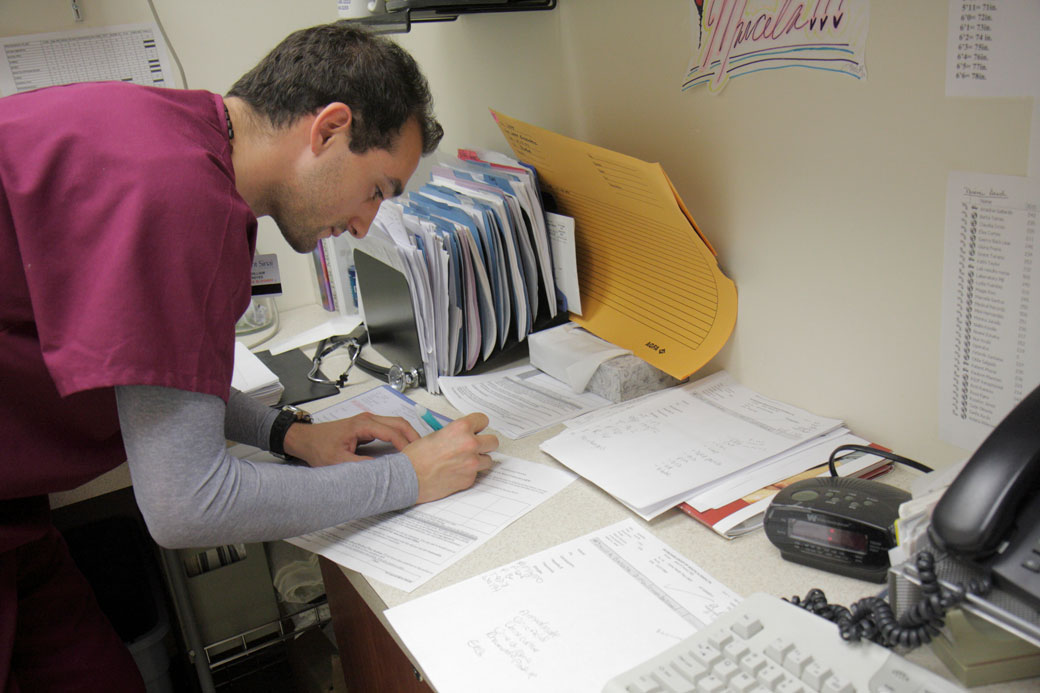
{"points": [[725, 670], [644, 684], [671, 681], [719, 638], [705, 654], [710, 684], [790, 686], [688, 668], [735, 650], [771, 675], [814, 675], [746, 626], [778, 649], [742, 683], [796, 661], [752, 662]]}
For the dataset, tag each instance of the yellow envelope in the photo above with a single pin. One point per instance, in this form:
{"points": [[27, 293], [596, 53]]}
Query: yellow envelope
{"points": [[649, 279]]}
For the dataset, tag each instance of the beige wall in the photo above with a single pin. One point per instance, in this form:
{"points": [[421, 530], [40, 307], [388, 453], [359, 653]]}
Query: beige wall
{"points": [[824, 196]]}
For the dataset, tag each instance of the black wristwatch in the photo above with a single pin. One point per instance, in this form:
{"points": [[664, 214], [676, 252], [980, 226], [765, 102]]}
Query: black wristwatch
{"points": [[286, 418]]}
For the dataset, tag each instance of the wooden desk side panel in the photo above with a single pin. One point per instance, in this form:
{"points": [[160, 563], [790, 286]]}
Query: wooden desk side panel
{"points": [[372, 660]]}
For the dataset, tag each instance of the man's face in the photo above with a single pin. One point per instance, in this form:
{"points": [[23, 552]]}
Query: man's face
{"points": [[341, 191]]}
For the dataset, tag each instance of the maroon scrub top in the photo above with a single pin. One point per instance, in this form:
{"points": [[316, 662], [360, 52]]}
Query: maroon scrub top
{"points": [[125, 256]]}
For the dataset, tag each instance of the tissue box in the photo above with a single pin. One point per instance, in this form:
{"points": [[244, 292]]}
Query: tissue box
{"points": [[626, 377], [590, 364]]}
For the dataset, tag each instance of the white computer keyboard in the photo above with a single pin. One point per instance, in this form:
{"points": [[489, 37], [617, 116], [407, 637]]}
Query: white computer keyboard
{"points": [[767, 644]]}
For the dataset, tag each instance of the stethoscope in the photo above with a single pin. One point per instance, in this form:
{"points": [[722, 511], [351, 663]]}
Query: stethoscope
{"points": [[396, 376]]}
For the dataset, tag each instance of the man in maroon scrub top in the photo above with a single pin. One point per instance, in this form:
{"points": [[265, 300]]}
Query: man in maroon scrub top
{"points": [[128, 223]]}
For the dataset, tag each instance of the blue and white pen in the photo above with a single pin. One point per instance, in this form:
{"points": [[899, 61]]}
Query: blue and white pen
{"points": [[427, 416]]}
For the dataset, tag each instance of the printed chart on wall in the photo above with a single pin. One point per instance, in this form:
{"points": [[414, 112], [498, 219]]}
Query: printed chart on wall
{"points": [[991, 304], [992, 51], [991, 288], [734, 38], [126, 53]]}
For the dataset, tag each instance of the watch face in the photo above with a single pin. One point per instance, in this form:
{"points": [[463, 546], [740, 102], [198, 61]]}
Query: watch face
{"points": [[298, 414]]}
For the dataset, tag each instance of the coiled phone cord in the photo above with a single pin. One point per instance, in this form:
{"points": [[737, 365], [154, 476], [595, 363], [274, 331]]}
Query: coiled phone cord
{"points": [[872, 618]]}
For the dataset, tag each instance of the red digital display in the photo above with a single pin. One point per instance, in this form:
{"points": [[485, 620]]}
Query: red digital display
{"points": [[822, 535]]}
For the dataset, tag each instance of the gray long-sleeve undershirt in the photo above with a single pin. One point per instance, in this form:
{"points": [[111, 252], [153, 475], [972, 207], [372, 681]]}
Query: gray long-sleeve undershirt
{"points": [[193, 493]]}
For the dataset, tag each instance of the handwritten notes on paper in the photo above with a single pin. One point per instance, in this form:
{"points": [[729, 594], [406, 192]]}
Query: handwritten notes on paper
{"points": [[649, 279], [991, 303], [742, 37], [565, 619]]}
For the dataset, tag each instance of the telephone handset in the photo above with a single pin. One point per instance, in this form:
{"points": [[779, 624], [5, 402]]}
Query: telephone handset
{"points": [[991, 512]]}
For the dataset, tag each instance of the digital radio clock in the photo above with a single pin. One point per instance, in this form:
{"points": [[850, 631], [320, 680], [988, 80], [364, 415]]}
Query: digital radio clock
{"points": [[838, 524]]}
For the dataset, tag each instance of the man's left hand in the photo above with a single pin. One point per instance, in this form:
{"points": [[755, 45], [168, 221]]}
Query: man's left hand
{"points": [[321, 444]]}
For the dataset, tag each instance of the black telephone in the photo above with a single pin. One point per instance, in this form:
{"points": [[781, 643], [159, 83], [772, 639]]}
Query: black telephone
{"points": [[991, 513]]}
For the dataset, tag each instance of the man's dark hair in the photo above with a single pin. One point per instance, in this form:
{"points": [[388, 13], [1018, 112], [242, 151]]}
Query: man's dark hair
{"points": [[340, 62]]}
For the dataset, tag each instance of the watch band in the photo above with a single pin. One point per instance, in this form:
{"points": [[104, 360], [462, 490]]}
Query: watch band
{"points": [[286, 418]]}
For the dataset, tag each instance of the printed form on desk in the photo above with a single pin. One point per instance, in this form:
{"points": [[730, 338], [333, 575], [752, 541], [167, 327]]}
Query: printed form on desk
{"points": [[565, 619], [519, 401], [657, 451], [405, 548]]}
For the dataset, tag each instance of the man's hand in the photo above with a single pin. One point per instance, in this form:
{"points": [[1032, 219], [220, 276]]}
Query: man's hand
{"points": [[448, 460], [321, 444]]}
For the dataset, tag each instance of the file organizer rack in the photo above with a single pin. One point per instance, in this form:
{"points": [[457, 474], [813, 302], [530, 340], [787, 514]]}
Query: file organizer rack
{"points": [[390, 319]]}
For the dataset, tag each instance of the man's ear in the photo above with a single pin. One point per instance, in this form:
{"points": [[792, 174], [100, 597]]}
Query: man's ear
{"points": [[332, 121]]}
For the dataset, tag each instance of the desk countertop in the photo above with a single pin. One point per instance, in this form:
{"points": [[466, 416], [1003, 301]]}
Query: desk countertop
{"points": [[746, 564]]}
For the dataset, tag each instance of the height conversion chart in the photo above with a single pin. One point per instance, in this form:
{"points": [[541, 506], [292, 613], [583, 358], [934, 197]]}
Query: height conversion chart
{"points": [[127, 53], [991, 304]]}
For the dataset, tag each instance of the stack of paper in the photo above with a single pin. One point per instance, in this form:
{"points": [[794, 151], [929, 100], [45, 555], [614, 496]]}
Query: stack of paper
{"points": [[474, 247], [252, 377], [706, 440], [732, 518]]}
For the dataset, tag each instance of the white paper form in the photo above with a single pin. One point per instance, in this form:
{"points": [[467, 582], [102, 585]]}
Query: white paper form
{"points": [[406, 548], [991, 303], [128, 53], [565, 619], [519, 401], [653, 454], [806, 456]]}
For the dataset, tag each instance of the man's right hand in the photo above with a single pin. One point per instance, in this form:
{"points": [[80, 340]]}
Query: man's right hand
{"points": [[448, 460]]}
